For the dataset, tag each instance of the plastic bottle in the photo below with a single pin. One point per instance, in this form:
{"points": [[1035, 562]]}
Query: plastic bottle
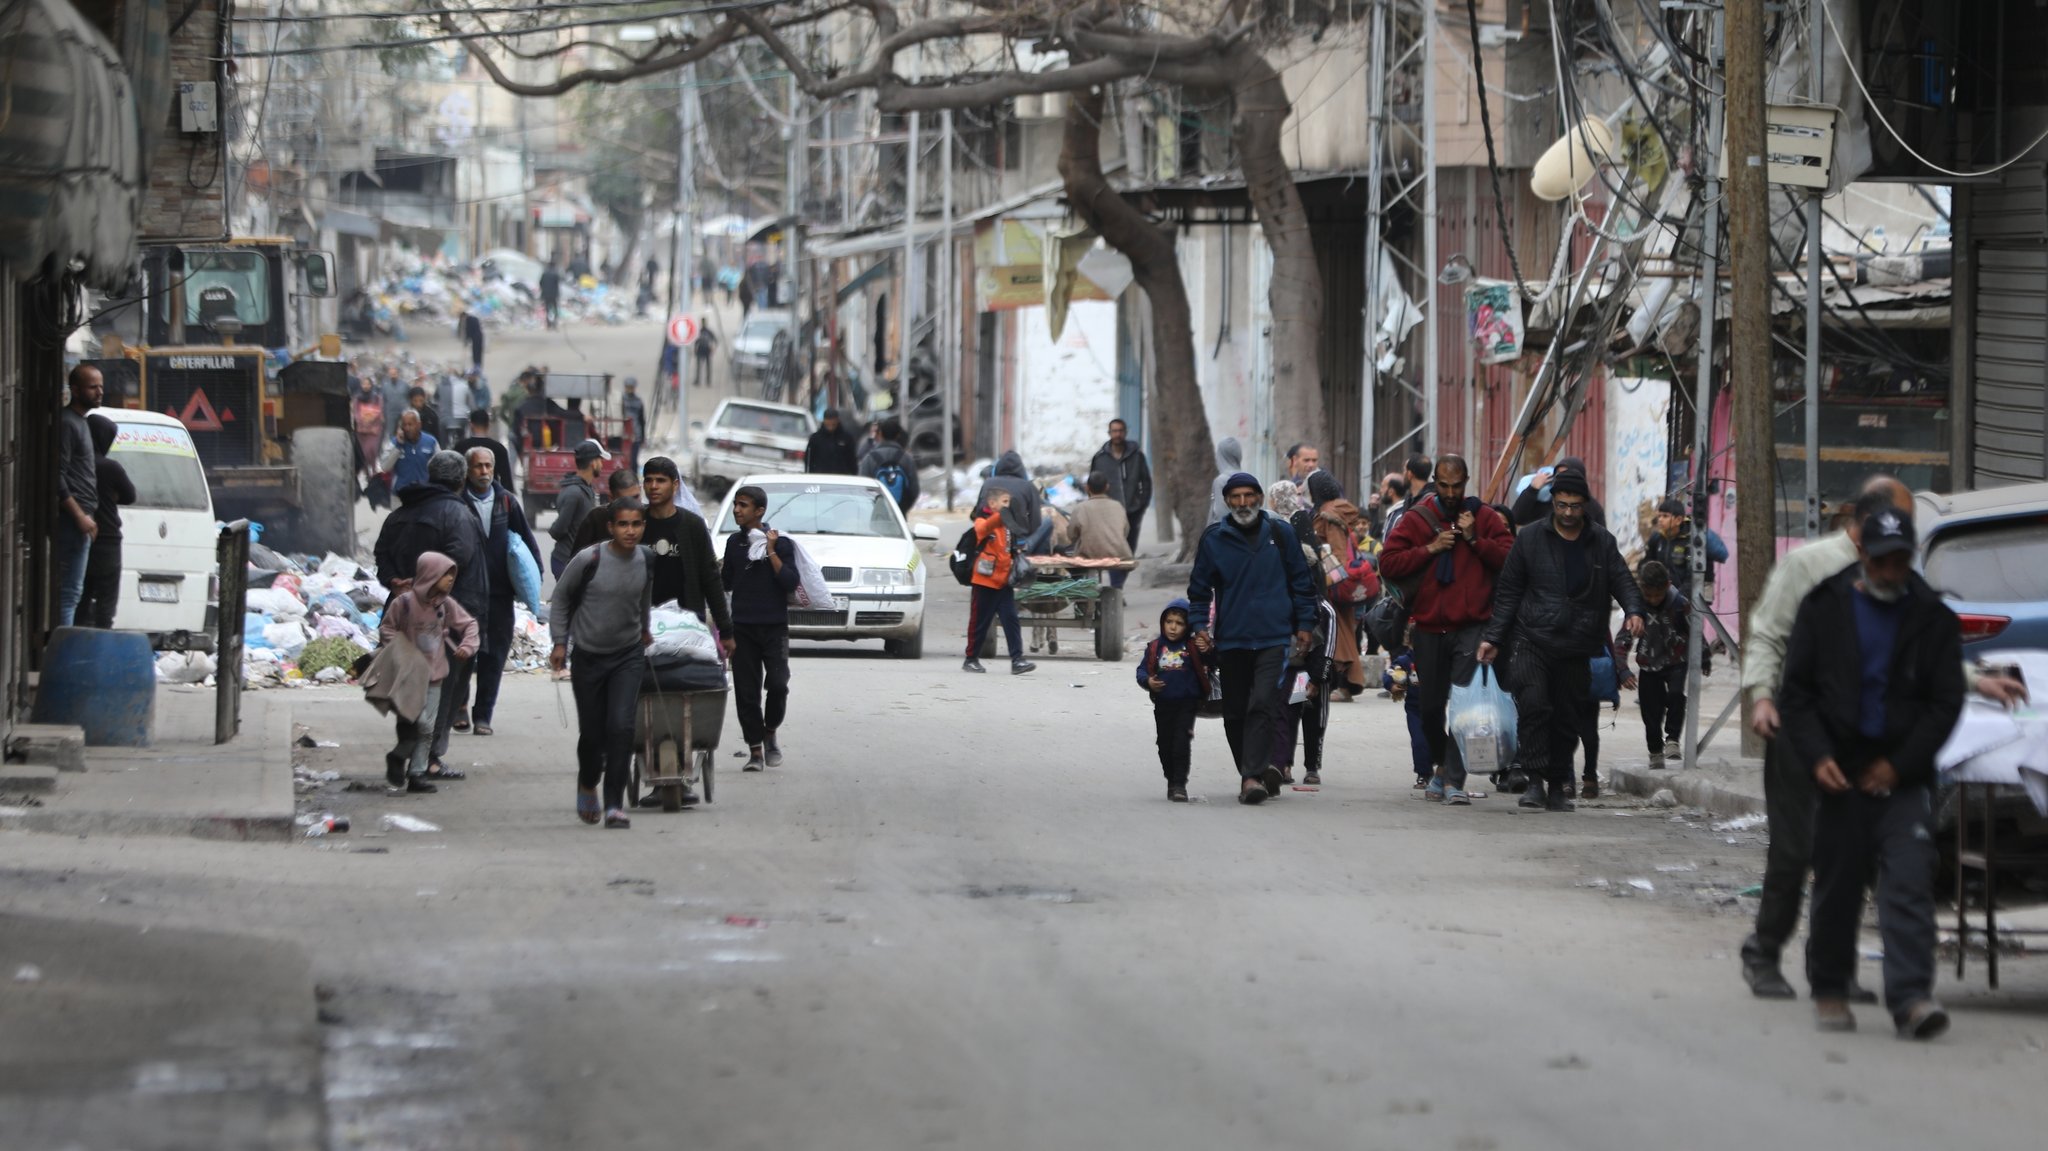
{"points": [[322, 826]]}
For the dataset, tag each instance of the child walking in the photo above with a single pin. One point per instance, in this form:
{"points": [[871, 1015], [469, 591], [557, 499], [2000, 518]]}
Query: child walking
{"points": [[426, 616], [1172, 671], [1404, 684], [1660, 659]]}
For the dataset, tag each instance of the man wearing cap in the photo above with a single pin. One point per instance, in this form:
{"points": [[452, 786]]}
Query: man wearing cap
{"points": [[576, 499], [1250, 566], [635, 410], [1553, 598], [1671, 544], [831, 451], [1873, 686]]}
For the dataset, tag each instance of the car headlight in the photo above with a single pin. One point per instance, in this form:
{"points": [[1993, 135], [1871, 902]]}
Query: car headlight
{"points": [[885, 577]]}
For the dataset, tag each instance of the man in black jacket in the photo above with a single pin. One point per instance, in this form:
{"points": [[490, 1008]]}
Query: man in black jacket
{"points": [[434, 517], [1553, 598], [890, 462], [1130, 480], [1873, 686], [831, 451], [503, 523], [576, 498], [759, 573]]}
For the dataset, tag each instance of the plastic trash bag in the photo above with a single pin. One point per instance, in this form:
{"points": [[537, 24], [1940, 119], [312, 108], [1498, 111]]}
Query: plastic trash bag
{"points": [[1482, 720], [680, 635], [811, 590], [525, 575], [1606, 683]]}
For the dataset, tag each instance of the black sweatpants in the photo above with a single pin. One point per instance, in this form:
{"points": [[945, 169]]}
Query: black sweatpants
{"points": [[760, 657], [102, 585], [607, 686], [1553, 694], [1789, 793], [1251, 705], [1306, 720], [1896, 833], [1443, 660], [991, 604], [1175, 721], [1661, 694]]}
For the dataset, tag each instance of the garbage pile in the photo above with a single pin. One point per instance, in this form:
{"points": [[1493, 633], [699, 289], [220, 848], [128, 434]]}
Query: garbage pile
{"points": [[310, 620], [429, 292]]}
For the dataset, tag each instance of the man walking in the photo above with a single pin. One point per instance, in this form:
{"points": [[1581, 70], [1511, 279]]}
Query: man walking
{"points": [[890, 464], [480, 437], [635, 411], [1251, 567], [1553, 598], [1023, 515], [551, 294], [433, 517], [430, 419], [1301, 460], [604, 602], [503, 523], [574, 500], [77, 493], [686, 563], [1873, 686], [407, 455], [1229, 458], [759, 573], [831, 451], [1418, 472], [1445, 555], [1130, 482], [705, 347]]}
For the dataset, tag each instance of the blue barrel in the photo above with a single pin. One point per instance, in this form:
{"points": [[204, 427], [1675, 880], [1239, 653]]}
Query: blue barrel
{"points": [[102, 681]]}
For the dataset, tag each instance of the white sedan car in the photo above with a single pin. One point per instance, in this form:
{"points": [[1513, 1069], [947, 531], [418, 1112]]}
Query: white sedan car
{"points": [[865, 549], [746, 437]]}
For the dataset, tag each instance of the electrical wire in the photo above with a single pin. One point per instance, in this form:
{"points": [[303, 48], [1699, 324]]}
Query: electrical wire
{"points": [[1500, 207]]}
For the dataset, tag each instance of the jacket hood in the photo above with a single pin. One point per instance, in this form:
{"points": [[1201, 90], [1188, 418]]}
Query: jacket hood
{"points": [[1229, 455], [427, 571], [1183, 607], [418, 494], [1011, 464]]}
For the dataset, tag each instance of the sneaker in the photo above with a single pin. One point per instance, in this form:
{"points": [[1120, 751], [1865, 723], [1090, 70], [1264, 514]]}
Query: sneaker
{"points": [[1833, 1014], [754, 760], [1656, 761], [419, 786], [1312, 779], [1532, 798], [1176, 793], [1673, 751], [774, 753], [1922, 1019], [1434, 792], [1766, 981], [973, 665], [1456, 797], [1560, 799], [1022, 667], [1251, 793], [615, 820]]}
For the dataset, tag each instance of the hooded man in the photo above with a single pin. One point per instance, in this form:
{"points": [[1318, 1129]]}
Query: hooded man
{"points": [[1250, 566], [890, 463], [1229, 457], [831, 451], [1023, 517]]}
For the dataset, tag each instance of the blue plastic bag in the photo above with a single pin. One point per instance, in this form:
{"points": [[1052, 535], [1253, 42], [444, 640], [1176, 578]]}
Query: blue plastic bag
{"points": [[525, 575], [1482, 720], [1606, 684]]}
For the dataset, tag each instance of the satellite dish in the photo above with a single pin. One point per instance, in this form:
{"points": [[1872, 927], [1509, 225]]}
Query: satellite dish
{"points": [[1571, 162]]}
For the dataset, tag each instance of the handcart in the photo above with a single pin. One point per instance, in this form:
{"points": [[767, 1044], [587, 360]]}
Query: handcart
{"points": [[1071, 594], [678, 731]]}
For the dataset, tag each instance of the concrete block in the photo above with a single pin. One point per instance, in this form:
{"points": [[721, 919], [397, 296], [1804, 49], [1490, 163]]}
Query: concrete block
{"points": [[48, 744], [17, 778]]}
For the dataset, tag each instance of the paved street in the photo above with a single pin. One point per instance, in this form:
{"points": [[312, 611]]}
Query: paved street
{"points": [[964, 915]]}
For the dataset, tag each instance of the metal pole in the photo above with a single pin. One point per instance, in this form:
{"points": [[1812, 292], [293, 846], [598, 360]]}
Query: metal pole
{"points": [[1703, 400], [1817, 45], [1472, 440], [686, 227], [906, 276], [792, 235], [1375, 185], [1432, 382], [949, 312]]}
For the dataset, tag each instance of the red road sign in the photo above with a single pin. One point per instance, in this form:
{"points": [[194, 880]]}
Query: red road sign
{"points": [[682, 330]]}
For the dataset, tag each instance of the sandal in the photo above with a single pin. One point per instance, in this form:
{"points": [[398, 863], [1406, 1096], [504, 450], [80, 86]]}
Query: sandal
{"points": [[481, 729], [436, 770], [615, 820], [586, 805], [1421, 783]]}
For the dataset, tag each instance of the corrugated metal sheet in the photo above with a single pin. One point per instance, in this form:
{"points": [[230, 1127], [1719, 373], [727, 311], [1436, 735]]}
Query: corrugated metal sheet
{"points": [[2009, 345], [2015, 207]]}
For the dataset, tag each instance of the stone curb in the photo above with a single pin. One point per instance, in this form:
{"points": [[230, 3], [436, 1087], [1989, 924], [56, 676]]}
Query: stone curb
{"points": [[1692, 788]]}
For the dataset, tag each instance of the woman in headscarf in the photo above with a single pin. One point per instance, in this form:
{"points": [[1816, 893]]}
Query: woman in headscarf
{"points": [[1350, 578]]}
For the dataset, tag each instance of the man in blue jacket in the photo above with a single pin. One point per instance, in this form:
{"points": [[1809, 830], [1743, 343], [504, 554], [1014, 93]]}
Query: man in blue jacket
{"points": [[1251, 567]]}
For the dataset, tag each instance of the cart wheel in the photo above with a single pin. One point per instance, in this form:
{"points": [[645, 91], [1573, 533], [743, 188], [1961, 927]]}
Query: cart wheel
{"points": [[633, 783], [704, 769], [1109, 624]]}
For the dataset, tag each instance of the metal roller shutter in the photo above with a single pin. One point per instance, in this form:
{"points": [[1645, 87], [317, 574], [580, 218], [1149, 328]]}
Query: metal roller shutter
{"points": [[2010, 356]]}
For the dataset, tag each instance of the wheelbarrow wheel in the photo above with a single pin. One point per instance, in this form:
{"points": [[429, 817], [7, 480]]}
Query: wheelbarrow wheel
{"points": [[705, 769]]}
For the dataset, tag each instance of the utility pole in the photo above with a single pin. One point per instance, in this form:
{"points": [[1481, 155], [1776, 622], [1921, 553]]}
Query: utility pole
{"points": [[906, 278], [792, 234], [1708, 294], [1749, 347], [949, 309], [1817, 59]]}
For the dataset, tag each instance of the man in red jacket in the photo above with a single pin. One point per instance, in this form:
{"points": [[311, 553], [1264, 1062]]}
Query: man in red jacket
{"points": [[1444, 554]]}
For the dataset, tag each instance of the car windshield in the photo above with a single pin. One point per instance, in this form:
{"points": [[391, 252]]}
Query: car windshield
{"points": [[2004, 562], [772, 421], [828, 510], [227, 281], [163, 466]]}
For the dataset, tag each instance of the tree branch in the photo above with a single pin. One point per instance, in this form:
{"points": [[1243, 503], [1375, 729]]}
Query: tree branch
{"points": [[895, 96], [724, 32]]}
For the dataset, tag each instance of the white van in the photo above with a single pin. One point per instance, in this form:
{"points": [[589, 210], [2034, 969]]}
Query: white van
{"points": [[170, 583]]}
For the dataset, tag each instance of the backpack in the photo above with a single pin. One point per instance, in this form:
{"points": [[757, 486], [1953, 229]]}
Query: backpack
{"points": [[892, 478], [961, 562]]}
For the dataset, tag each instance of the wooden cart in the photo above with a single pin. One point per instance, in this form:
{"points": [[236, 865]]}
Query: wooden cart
{"points": [[1070, 595]]}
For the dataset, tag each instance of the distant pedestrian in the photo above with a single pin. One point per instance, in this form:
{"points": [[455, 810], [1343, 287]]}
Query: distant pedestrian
{"points": [[551, 294], [1670, 544], [1096, 528], [102, 593], [759, 573], [406, 456], [1660, 662], [1553, 598], [1172, 672], [635, 410], [831, 451], [426, 614], [574, 500], [1532, 503], [620, 486], [1873, 687], [703, 349], [480, 437], [1130, 482], [430, 419], [993, 598], [1229, 461], [603, 603], [1250, 568], [1302, 460], [890, 464], [77, 493]]}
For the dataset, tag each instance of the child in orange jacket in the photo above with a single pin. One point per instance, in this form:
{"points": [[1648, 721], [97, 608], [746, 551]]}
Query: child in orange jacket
{"points": [[993, 598]]}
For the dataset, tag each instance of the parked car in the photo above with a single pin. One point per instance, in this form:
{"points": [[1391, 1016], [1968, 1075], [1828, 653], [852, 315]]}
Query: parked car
{"points": [[1987, 553], [753, 347], [749, 436], [865, 549], [170, 586]]}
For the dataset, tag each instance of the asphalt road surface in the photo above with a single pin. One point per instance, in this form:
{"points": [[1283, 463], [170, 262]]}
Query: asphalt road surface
{"points": [[963, 915]]}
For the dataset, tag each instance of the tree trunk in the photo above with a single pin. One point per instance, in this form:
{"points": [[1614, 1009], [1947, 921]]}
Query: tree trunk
{"points": [[1182, 452], [1296, 297]]}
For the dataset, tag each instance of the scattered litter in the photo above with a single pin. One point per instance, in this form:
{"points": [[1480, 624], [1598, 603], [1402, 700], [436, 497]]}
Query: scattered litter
{"points": [[1596, 883], [1674, 868], [28, 973], [402, 822], [320, 827], [742, 921], [1642, 885], [1299, 787], [304, 741], [1664, 798], [1748, 822], [1475, 795], [369, 851]]}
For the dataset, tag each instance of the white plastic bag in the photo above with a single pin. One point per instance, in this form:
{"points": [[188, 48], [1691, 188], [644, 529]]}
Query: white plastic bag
{"points": [[679, 634], [1482, 720], [811, 589]]}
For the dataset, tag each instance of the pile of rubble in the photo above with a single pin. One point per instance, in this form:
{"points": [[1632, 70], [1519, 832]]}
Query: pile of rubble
{"points": [[418, 291]]}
